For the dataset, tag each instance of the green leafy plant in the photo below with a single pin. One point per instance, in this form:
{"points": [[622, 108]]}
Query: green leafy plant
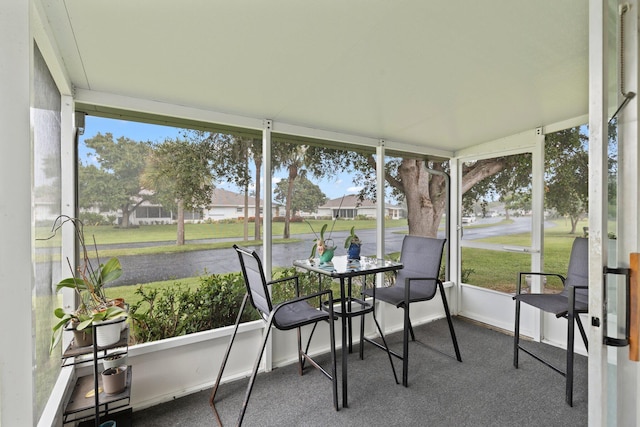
{"points": [[88, 283], [320, 243], [351, 238]]}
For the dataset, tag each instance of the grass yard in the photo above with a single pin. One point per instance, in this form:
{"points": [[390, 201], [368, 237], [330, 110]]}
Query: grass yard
{"points": [[492, 269], [167, 232], [498, 270]]}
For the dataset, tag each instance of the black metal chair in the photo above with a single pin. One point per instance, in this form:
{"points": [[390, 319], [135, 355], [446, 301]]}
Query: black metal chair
{"points": [[417, 281], [291, 314], [573, 300]]}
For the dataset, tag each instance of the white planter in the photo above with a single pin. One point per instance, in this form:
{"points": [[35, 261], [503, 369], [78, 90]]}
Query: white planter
{"points": [[113, 361], [108, 332]]}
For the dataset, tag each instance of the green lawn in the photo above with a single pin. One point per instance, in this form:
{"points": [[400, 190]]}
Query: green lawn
{"points": [[498, 270]]}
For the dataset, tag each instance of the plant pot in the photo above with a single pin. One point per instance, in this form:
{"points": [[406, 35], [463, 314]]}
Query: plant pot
{"points": [[118, 302], [115, 360], [327, 255], [354, 251], [114, 380], [108, 332], [82, 338]]}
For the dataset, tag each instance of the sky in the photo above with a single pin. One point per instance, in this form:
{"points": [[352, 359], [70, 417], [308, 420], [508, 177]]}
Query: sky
{"points": [[333, 188]]}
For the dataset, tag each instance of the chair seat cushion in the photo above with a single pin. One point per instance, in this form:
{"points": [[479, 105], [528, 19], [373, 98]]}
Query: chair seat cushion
{"points": [[297, 314], [552, 303], [395, 294]]}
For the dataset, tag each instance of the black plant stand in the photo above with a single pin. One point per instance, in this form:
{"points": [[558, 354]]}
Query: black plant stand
{"points": [[81, 401]]}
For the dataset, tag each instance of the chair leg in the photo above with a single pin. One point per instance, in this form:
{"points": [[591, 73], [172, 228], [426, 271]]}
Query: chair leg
{"points": [[224, 360], [516, 335], [405, 345], [306, 350], [386, 346], [449, 320], [569, 371], [334, 377], [582, 332], [362, 335], [300, 358], [254, 373]]}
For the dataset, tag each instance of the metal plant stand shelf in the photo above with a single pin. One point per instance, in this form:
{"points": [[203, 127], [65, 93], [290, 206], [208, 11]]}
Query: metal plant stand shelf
{"points": [[87, 399]]}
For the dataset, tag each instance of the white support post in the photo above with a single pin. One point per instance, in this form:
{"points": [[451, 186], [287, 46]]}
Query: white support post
{"points": [[537, 225], [454, 232], [628, 374], [17, 340], [267, 224], [380, 229], [268, 196], [598, 126], [380, 193], [68, 162]]}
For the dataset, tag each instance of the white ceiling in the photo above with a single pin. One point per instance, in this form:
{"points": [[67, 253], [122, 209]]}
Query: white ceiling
{"points": [[446, 74]]}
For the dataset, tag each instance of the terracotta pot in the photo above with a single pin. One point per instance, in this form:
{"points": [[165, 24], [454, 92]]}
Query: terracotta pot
{"points": [[118, 302], [114, 380]]}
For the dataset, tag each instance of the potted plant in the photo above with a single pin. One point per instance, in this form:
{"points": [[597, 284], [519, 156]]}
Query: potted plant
{"points": [[114, 360], [114, 380], [352, 244], [82, 337], [88, 282], [324, 247]]}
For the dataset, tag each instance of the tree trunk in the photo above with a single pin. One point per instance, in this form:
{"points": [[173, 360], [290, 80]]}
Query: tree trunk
{"points": [[125, 216], [574, 224], [180, 219], [425, 196], [258, 163], [293, 173], [246, 213]]}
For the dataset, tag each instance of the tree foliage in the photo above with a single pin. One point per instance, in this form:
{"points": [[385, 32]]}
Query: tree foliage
{"points": [[567, 174], [179, 173], [306, 161], [306, 196], [115, 184]]}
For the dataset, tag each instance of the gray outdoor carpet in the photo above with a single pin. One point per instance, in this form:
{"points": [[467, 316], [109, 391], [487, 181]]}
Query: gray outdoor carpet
{"points": [[484, 390]]}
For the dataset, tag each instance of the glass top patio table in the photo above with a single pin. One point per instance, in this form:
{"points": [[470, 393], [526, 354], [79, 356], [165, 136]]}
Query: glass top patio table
{"points": [[341, 267], [345, 269]]}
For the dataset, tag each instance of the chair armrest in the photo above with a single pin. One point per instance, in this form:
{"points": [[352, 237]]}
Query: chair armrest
{"points": [[535, 273], [572, 296], [328, 292], [407, 286]]}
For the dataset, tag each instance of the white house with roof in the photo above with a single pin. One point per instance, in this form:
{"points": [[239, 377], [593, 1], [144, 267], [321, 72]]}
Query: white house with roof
{"points": [[224, 205], [351, 206]]}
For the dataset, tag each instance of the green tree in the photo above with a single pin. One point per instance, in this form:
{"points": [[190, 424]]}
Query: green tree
{"points": [[306, 160], [231, 163], [567, 174], [179, 173], [421, 183], [115, 183], [306, 196]]}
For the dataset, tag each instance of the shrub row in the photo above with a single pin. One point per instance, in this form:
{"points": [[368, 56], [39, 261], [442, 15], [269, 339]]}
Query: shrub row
{"points": [[178, 310]]}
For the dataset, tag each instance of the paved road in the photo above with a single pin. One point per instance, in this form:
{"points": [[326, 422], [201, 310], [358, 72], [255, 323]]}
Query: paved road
{"points": [[150, 268]]}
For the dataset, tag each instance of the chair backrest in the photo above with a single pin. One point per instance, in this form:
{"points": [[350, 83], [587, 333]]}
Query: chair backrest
{"points": [[254, 280], [421, 257], [578, 271]]}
